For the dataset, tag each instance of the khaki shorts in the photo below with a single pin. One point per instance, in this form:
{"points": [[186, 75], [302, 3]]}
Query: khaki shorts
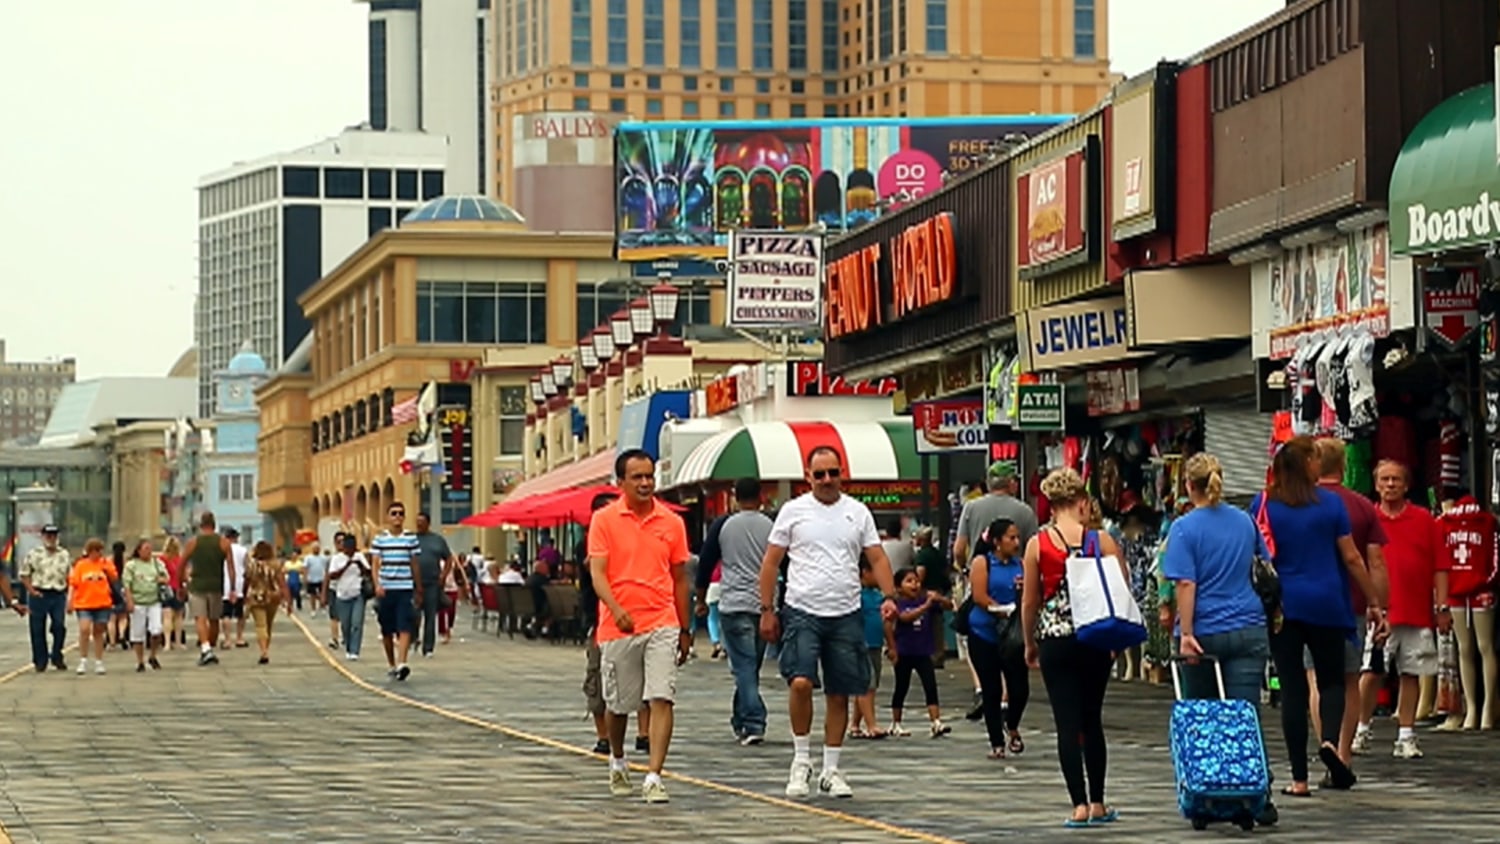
{"points": [[593, 692], [640, 668], [1411, 652], [209, 605]]}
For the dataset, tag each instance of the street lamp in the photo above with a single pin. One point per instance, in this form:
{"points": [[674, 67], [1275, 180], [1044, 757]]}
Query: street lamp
{"points": [[549, 384], [587, 357], [562, 371], [538, 395], [664, 298], [603, 340], [641, 322], [622, 329]]}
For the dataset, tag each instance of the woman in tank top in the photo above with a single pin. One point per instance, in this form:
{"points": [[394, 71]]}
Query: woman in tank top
{"points": [[1075, 674]]}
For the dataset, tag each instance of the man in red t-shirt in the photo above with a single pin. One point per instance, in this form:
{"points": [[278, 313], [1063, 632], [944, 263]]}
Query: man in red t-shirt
{"points": [[1369, 538], [1418, 597]]}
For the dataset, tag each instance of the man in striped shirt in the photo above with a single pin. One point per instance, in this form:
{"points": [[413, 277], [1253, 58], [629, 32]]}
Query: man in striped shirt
{"points": [[398, 589]]}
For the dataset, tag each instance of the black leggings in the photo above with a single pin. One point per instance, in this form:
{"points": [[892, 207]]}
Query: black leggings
{"points": [[1326, 644], [992, 668], [905, 665], [1076, 677]]}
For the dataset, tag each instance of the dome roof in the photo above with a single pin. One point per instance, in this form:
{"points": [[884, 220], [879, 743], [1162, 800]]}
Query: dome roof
{"points": [[448, 209], [246, 361]]}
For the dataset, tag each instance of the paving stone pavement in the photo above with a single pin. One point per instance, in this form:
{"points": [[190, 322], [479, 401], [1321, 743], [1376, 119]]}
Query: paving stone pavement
{"points": [[297, 751]]}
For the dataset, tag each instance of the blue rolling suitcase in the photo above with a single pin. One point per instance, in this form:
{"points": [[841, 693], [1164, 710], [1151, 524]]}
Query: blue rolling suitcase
{"points": [[1220, 757]]}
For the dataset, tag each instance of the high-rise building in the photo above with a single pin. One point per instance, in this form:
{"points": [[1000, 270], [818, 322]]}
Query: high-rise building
{"points": [[269, 229], [778, 59], [28, 391], [428, 72]]}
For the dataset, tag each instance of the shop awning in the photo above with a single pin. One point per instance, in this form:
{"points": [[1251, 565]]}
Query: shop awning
{"points": [[591, 470], [1445, 187], [776, 451]]}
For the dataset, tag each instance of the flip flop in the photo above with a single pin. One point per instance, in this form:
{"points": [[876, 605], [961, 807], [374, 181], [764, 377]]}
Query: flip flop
{"points": [[1109, 816], [1343, 779], [1017, 746], [996, 755], [1074, 823], [1289, 792]]}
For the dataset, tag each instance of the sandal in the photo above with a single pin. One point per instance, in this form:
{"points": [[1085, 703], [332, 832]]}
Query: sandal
{"points": [[876, 734], [1109, 816], [1342, 778], [1291, 791], [996, 754], [1017, 746]]}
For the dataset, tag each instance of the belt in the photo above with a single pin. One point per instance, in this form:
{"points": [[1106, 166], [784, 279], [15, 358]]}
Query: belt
{"points": [[51, 591]]}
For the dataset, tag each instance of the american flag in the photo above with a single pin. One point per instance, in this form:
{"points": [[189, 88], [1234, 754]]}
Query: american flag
{"points": [[404, 413]]}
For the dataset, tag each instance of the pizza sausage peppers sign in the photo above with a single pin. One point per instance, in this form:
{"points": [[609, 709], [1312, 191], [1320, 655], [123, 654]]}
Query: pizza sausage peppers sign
{"points": [[1050, 201]]}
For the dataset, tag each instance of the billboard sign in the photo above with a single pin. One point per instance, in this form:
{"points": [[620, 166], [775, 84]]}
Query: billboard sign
{"points": [[682, 187], [775, 279]]}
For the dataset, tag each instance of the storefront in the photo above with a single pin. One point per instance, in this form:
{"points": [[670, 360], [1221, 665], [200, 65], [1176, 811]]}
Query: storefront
{"points": [[1445, 214]]}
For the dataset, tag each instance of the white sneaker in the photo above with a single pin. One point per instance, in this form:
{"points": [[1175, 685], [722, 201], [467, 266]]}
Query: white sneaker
{"points": [[1407, 749], [619, 783], [1361, 744], [897, 730], [99, 669], [832, 784], [654, 791], [939, 729], [799, 781], [354, 657], [83, 666]]}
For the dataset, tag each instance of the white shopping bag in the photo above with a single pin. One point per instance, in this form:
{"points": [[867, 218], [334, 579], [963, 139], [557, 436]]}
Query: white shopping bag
{"points": [[1105, 614]]}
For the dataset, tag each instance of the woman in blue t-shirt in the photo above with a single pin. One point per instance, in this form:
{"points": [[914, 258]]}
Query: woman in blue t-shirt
{"points": [[1208, 555], [1315, 558], [995, 586]]}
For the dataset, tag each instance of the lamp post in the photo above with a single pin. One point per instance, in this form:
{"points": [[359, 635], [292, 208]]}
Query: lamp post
{"points": [[562, 372], [642, 320], [664, 298], [603, 341]]}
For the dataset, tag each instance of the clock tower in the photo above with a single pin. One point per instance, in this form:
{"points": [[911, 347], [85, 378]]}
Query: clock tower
{"points": [[235, 390]]}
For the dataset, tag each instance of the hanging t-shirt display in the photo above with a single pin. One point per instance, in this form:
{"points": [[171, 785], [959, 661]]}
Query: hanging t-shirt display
{"points": [[1327, 375], [1359, 370], [1467, 548]]}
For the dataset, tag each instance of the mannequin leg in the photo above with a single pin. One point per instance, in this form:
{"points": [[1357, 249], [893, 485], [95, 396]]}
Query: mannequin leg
{"points": [[1484, 630], [1427, 698], [1468, 673]]}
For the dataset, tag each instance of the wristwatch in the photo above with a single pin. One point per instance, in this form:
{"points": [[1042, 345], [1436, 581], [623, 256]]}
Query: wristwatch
{"points": [[687, 631], [1440, 609], [765, 608]]}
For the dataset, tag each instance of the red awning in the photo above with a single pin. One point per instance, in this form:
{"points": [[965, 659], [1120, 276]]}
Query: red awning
{"points": [[588, 472]]}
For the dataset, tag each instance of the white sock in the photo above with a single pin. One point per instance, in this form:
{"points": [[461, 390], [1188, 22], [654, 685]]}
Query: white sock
{"points": [[802, 749], [652, 778], [205, 647], [978, 691], [831, 758], [1405, 733], [618, 764], [1364, 727]]}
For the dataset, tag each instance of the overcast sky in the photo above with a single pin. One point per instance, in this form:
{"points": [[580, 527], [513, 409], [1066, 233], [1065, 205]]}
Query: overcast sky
{"points": [[113, 112]]}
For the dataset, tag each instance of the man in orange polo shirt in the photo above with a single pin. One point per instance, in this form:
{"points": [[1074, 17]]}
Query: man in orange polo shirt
{"points": [[638, 552]]}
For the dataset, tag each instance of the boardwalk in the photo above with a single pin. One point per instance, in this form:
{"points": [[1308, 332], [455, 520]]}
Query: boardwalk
{"points": [[487, 742]]}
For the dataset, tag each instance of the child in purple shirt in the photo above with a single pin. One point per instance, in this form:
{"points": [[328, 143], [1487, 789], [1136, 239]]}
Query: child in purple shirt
{"points": [[917, 613]]}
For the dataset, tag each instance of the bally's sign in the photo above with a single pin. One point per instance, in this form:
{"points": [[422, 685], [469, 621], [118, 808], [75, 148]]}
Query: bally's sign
{"points": [[1076, 334]]}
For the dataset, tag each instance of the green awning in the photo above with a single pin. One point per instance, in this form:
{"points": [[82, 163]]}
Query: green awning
{"points": [[1445, 188]]}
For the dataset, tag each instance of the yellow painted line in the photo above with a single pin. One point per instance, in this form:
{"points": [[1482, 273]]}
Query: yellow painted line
{"points": [[553, 744]]}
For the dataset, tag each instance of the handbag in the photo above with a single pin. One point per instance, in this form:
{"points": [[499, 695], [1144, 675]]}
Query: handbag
{"points": [[164, 593], [1263, 577], [960, 622], [1012, 638], [1105, 613]]}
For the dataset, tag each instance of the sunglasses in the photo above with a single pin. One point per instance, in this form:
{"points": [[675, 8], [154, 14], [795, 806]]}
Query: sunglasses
{"points": [[398, 512], [820, 474]]}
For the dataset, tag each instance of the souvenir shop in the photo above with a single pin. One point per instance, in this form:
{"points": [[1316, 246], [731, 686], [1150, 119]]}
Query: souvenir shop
{"points": [[1442, 199]]}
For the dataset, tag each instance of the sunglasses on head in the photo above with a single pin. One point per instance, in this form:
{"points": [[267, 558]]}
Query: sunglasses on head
{"points": [[820, 474]]}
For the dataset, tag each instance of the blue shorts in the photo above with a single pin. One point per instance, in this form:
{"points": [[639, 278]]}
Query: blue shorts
{"points": [[396, 613], [837, 644], [96, 616]]}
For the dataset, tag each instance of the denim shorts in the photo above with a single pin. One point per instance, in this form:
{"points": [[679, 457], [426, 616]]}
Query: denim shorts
{"points": [[836, 643], [96, 616], [396, 613]]}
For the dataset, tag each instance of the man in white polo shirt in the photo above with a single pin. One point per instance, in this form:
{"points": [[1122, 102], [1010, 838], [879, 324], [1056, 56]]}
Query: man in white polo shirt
{"points": [[821, 535]]}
